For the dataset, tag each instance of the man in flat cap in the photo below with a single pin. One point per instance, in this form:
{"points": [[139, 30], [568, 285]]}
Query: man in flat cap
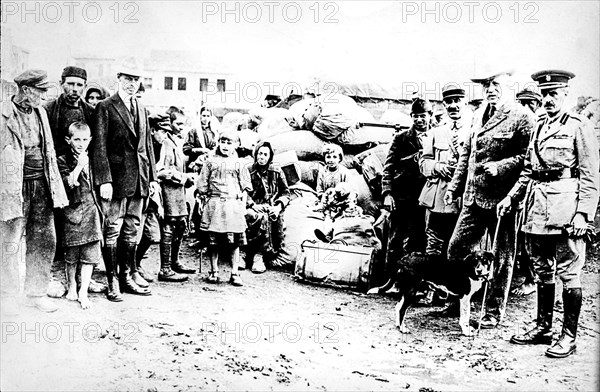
{"points": [[123, 159], [401, 185], [560, 184], [30, 188], [531, 98], [487, 168]]}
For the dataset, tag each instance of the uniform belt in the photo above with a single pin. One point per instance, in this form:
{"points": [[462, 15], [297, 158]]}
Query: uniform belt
{"points": [[549, 175], [226, 197]]}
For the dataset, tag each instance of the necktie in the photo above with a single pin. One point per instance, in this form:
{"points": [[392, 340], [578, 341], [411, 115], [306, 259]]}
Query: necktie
{"points": [[132, 107], [454, 125]]}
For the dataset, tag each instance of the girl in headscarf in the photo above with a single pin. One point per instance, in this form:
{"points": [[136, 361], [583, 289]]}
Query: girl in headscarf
{"points": [[268, 198], [95, 94]]}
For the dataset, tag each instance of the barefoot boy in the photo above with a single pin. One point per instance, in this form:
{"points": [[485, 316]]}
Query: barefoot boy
{"points": [[82, 232]]}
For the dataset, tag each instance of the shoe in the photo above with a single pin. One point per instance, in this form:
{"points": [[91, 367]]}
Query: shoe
{"points": [[258, 267], [542, 333], [168, 275], [489, 322], [565, 345], [180, 268], [43, 304], [109, 254], [235, 280], [96, 287], [426, 299], [127, 265], [213, 278], [145, 275], [137, 278]]}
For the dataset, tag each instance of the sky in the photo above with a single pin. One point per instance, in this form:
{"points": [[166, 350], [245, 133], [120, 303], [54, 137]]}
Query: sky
{"points": [[385, 42]]}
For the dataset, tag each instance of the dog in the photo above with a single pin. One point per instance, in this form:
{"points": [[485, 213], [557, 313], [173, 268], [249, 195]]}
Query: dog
{"points": [[419, 271]]}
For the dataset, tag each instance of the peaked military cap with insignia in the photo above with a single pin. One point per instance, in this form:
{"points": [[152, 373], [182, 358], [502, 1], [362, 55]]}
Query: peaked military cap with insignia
{"points": [[553, 78], [452, 90]]}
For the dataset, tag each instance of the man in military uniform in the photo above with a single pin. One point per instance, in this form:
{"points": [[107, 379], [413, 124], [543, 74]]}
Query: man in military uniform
{"points": [[530, 98], [401, 185], [560, 183], [487, 168], [441, 148]]}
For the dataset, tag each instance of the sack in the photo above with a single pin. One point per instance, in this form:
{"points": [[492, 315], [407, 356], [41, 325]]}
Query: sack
{"points": [[365, 198], [275, 121], [335, 264], [299, 224], [308, 147]]}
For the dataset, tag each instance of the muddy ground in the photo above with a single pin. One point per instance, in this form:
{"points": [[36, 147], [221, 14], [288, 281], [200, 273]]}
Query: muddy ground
{"points": [[278, 334]]}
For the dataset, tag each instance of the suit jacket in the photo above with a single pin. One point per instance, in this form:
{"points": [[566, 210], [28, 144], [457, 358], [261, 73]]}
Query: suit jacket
{"points": [[12, 160], [401, 175], [53, 110], [122, 153], [502, 140], [567, 142]]}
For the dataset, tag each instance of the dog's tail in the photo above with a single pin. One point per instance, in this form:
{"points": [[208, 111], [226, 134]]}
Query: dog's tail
{"points": [[382, 289]]}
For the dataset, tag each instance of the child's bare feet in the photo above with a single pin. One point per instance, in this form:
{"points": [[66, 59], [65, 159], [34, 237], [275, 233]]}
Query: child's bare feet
{"points": [[84, 301], [72, 294]]}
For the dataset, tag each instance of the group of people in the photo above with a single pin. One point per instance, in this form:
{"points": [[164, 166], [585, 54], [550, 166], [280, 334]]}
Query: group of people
{"points": [[102, 180], [507, 172]]}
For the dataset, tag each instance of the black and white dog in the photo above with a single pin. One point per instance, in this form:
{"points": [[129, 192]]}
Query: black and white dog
{"points": [[419, 271]]}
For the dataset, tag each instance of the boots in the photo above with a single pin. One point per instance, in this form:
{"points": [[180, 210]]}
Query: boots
{"points": [[109, 253], [127, 265], [565, 345], [142, 248], [542, 333], [166, 274], [176, 266]]}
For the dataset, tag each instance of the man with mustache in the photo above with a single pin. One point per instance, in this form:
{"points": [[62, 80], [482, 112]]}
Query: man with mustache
{"points": [[560, 184], [440, 154], [30, 188], [401, 184], [487, 168], [124, 163], [69, 107]]}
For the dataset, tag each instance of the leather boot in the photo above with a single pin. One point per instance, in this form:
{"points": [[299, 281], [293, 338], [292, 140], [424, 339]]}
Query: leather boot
{"points": [[166, 274], [109, 254], [142, 248], [126, 262], [542, 333], [175, 246], [565, 345]]}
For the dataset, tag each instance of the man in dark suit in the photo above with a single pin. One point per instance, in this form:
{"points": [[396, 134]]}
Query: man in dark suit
{"points": [[401, 185], [124, 166], [487, 168]]}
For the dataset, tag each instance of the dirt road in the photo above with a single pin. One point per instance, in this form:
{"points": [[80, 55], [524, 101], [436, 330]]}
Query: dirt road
{"points": [[277, 334]]}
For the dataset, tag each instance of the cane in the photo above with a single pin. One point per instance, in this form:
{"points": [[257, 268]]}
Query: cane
{"points": [[490, 275]]}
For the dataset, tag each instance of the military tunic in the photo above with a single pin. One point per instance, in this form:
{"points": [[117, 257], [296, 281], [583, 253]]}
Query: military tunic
{"points": [[566, 142]]}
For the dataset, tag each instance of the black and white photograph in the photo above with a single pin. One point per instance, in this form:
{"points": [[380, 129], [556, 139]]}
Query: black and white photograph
{"points": [[300, 195]]}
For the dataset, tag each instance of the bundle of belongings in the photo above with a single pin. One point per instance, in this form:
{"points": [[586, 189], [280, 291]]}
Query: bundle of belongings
{"points": [[346, 244]]}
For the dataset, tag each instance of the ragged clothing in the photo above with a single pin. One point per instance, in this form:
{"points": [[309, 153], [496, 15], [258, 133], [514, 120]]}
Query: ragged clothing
{"points": [[222, 182]]}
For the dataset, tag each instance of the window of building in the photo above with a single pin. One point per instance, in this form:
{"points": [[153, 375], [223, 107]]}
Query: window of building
{"points": [[181, 84], [148, 83], [168, 83], [220, 85], [203, 84]]}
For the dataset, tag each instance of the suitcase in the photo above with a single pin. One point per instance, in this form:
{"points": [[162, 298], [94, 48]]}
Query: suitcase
{"points": [[335, 264]]}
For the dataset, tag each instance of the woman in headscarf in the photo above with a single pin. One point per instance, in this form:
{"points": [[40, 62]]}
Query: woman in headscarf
{"points": [[95, 94], [268, 199]]}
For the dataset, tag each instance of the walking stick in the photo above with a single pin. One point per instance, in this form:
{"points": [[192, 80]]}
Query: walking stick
{"points": [[490, 275]]}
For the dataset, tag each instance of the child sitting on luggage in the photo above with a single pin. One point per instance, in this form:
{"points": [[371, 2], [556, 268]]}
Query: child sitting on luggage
{"points": [[224, 182], [82, 230], [333, 173]]}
